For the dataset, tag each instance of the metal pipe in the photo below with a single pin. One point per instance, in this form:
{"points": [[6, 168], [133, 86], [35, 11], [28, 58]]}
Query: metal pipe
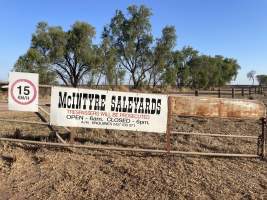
{"points": [[26, 122], [128, 149], [169, 122], [42, 109], [46, 112], [215, 135], [263, 137], [60, 138]]}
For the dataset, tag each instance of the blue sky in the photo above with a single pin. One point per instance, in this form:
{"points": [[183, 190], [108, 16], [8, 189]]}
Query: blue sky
{"points": [[232, 28]]}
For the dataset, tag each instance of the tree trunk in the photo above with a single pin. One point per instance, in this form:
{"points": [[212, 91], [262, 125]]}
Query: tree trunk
{"points": [[134, 81], [98, 80], [149, 80]]}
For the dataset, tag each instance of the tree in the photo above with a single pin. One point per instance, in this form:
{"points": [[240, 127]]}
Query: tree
{"points": [[68, 54], [199, 73], [127, 49], [112, 71], [228, 70], [131, 37], [251, 76], [33, 62], [181, 59], [109, 60], [207, 71], [262, 79], [162, 58]]}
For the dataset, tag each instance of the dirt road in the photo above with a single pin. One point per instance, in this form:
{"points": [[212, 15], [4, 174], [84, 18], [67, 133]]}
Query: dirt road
{"points": [[3, 107]]}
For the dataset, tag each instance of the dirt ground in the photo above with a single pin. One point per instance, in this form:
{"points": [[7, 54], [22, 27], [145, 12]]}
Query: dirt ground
{"points": [[36, 172]]}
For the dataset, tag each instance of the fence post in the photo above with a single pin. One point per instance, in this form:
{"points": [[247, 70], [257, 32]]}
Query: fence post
{"points": [[196, 92], [219, 93], [263, 137], [255, 90], [242, 92], [169, 121], [249, 91], [233, 92], [72, 135]]}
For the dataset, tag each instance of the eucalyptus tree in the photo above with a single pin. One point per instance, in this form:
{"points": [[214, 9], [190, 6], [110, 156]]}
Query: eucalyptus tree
{"points": [[163, 61], [262, 79], [251, 76], [207, 71], [67, 53], [182, 59], [131, 36], [34, 62]]}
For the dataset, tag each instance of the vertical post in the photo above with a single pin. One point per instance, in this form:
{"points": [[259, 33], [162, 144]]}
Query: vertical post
{"points": [[259, 145], [169, 121], [242, 92], [263, 137], [233, 92], [219, 93], [196, 92], [249, 91], [72, 135]]}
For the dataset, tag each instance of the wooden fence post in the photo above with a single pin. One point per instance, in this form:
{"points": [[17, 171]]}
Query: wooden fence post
{"points": [[249, 91], [169, 121], [242, 92], [263, 137], [233, 92], [219, 93], [72, 135], [196, 92], [255, 92]]}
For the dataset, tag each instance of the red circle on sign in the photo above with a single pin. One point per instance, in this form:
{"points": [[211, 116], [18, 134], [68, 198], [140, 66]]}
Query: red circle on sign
{"points": [[34, 91]]}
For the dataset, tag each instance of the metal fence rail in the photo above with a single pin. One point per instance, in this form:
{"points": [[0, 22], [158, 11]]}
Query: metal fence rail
{"points": [[214, 135], [168, 151], [52, 144]]}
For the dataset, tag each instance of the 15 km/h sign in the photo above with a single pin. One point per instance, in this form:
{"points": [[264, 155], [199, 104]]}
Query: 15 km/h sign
{"points": [[23, 91]]}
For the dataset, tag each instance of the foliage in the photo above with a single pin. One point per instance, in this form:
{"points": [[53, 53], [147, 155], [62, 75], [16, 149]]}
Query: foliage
{"points": [[182, 59], [262, 79], [34, 62], [207, 71], [68, 54], [251, 76], [127, 49], [163, 60], [132, 38]]}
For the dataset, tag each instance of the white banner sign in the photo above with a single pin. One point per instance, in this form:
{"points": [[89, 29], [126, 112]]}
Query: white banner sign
{"points": [[23, 91], [108, 109]]}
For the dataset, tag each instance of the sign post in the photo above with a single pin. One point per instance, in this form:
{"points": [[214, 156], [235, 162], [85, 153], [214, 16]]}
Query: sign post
{"points": [[23, 91], [169, 125]]}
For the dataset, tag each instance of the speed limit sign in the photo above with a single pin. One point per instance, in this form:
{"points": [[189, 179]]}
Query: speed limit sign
{"points": [[23, 91]]}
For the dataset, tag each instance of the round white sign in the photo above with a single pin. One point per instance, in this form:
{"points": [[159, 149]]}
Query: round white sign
{"points": [[23, 91]]}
